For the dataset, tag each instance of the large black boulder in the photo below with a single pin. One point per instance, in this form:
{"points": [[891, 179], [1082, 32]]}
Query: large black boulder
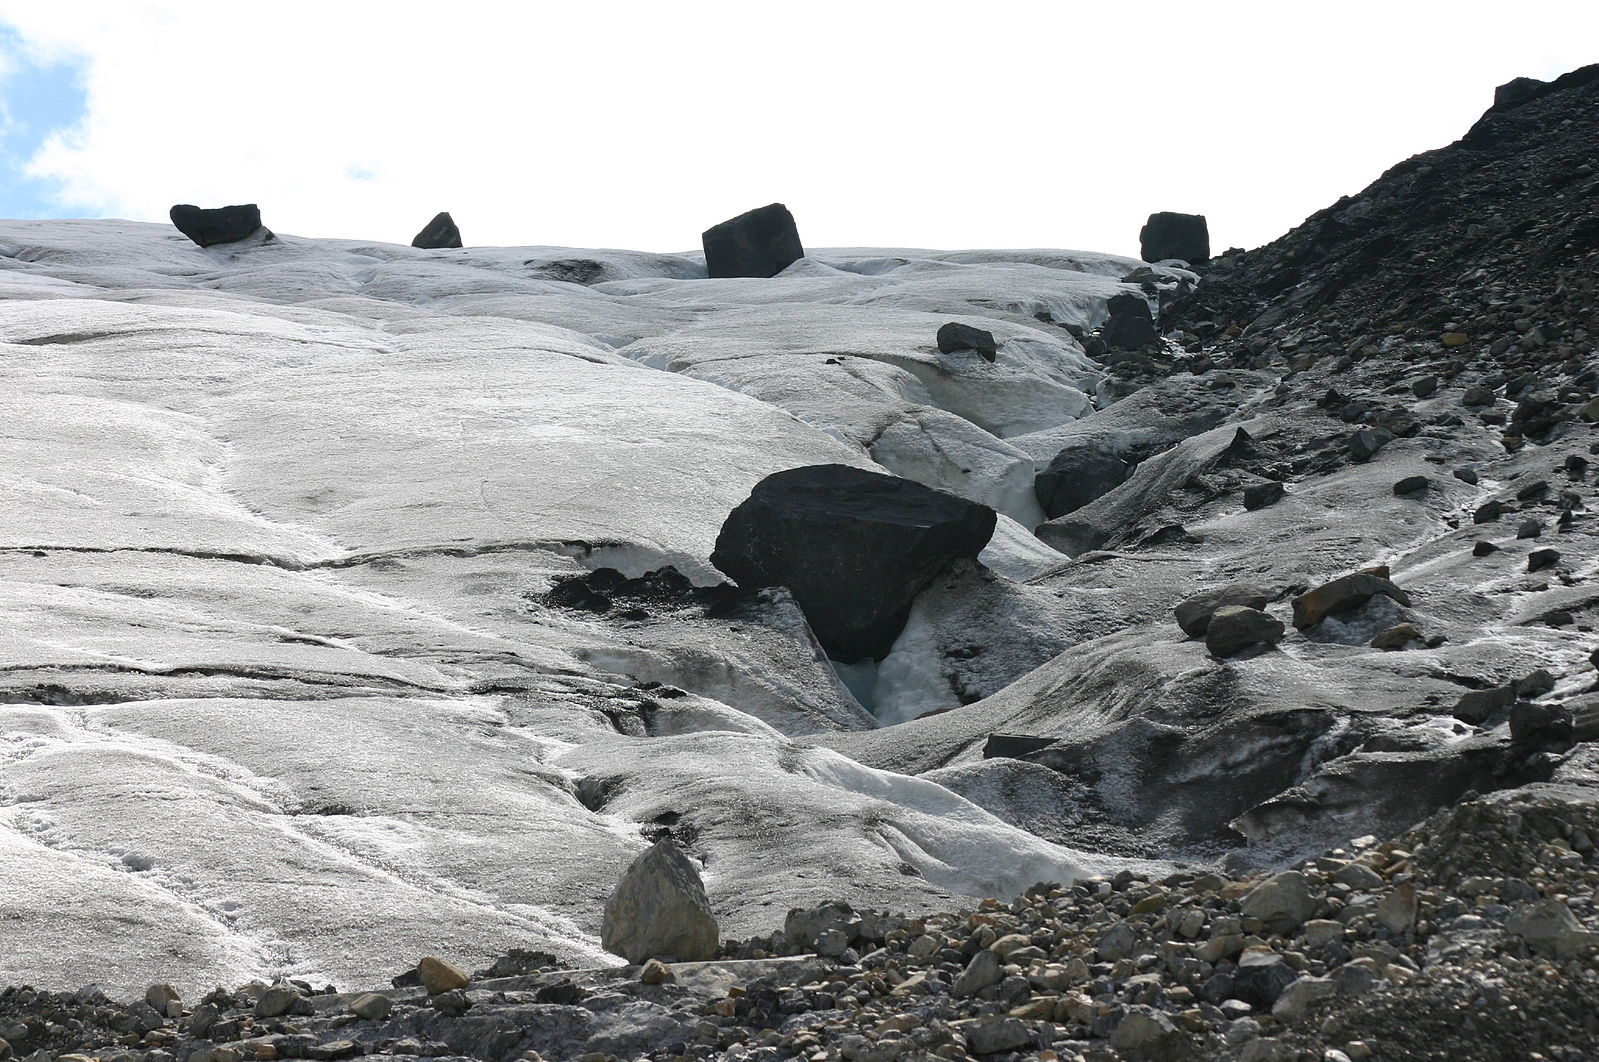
{"points": [[438, 233], [1130, 324], [207, 227], [760, 243], [1076, 476], [1182, 236], [854, 548]]}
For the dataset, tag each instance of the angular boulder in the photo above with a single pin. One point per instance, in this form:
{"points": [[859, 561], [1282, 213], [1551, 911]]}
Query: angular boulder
{"points": [[956, 336], [659, 910], [438, 233], [1194, 614], [1234, 628], [210, 226], [1343, 595], [759, 243], [1076, 476], [1130, 324], [1182, 236], [854, 547]]}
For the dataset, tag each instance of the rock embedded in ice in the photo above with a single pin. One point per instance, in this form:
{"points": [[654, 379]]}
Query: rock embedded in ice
{"points": [[441, 232], [758, 243], [956, 336], [1260, 495], [1234, 628], [659, 910], [854, 547], [210, 226], [1194, 614], [1342, 595], [1168, 235], [1076, 476]]}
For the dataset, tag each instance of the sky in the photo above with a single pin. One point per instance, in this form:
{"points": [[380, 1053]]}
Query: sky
{"points": [[631, 124]]}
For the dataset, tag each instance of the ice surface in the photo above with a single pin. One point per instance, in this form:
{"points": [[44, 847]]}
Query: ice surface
{"points": [[281, 691]]}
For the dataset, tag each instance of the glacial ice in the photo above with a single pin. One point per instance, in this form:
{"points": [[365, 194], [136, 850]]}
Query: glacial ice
{"points": [[281, 690]]}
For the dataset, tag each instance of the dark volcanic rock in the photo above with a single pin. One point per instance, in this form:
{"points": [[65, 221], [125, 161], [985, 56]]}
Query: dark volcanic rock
{"points": [[956, 336], [854, 547], [1076, 476], [1168, 235], [438, 233], [1130, 324], [1013, 745], [208, 227], [1234, 628], [760, 243]]}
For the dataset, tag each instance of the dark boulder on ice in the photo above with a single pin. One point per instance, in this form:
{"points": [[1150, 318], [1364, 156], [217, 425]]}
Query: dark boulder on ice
{"points": [[659, 910], [210, 226], [1076, 476], [1166, 235], [956, 336], [438, 233], [854, 547], [760, 243], [1130, 324], [1013, 746], [1234, 628]]}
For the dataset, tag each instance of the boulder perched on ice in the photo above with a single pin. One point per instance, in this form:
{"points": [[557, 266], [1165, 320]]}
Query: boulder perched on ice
{"points": [[659, 910], [1342, 595], [854, 547], [1194, 613], [758, 243], [1182, 236], [213, 225], [1076, 476], [438, 233], [956, 336]]}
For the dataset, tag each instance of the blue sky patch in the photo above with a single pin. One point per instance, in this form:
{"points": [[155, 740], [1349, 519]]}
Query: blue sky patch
{"points": [[35, 100]]}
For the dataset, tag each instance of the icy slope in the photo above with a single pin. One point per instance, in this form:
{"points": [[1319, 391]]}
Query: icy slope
{"points": [[281, 690]]}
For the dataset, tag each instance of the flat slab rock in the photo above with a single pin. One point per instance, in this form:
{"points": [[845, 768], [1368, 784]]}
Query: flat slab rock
{"points": [[211, 226]]}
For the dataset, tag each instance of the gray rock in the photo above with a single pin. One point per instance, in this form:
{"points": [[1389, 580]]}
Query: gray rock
{"points": [[372, 1006], [659, 910], [804, 926], [1550, 929], [1147, 1035], [983, 971], [1194, 614], [1364, 443], [277, 1001], [1282, 903], [1234, 628], [987, 1036]]}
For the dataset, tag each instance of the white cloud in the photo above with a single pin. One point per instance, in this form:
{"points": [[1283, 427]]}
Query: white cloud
{"points": [[638, 124]]}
